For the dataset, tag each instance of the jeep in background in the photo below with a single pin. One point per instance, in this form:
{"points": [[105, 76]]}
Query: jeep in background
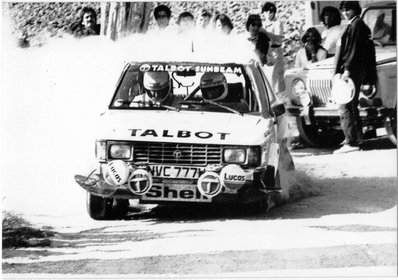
{"points": [[308, 90]]}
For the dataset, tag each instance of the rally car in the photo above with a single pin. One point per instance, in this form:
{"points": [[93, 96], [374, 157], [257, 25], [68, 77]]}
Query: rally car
{"points": [[186, 132], [309, 91]]}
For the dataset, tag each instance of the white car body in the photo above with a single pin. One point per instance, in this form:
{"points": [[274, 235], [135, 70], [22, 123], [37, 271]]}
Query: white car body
{"points": [[164, 155]]}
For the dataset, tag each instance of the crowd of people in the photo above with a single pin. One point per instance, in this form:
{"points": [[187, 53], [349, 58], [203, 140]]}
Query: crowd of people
{"points": [[355, 60]]}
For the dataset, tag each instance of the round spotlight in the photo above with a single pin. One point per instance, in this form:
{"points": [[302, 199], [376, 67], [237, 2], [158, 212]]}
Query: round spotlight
{"points": [[233, 176], [116, 172], [209, 184], [140, 182]]}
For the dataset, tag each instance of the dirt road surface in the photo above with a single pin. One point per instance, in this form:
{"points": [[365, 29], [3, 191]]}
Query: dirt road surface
{"points": [[343, 222]]}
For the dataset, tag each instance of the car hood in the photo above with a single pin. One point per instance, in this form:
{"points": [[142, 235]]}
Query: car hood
{"points": [[383, 55], [185, 127]]}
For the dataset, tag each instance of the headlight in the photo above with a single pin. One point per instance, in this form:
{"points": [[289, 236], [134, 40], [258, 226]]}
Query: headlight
{"points": [[100, 150], [234, 155], [368, 90], [305, 98], [118, 151], [254, 156], [298, 87]]}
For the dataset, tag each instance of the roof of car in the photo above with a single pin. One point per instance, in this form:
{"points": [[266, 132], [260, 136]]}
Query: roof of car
{"points": [[380, 4]]}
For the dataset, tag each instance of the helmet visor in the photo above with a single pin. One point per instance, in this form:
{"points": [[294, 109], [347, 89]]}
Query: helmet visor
{"points": [[213, 93], [158, 95]]}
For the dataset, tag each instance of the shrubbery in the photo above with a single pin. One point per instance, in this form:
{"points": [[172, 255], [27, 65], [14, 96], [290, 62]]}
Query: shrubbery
{"points": [[17, 232]]}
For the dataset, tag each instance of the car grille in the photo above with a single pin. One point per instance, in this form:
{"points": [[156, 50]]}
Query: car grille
{"points": [[177, 153], [320, 91]]}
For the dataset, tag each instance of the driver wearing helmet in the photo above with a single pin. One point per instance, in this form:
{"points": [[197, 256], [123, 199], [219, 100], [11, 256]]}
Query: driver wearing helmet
{"points": [[214, 88], [157, 89]]}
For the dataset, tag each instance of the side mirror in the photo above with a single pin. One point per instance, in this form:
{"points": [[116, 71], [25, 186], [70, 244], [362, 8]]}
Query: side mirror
{"points": [[278, 109]]}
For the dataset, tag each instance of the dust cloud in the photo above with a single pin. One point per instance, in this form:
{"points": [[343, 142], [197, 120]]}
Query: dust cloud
{"points": [[51, 99]]}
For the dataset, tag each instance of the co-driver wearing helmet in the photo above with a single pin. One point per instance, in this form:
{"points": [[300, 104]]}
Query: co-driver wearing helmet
{"points": [[214, 88], [157, 89]]}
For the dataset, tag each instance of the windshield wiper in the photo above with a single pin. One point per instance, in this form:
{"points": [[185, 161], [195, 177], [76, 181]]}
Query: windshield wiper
{"points": [[168, 107], [212, 103]]}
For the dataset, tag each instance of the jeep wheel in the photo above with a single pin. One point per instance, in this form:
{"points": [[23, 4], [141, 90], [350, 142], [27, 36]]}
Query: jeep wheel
{"points": [[317, 137], [99, 208], [390, 124]]}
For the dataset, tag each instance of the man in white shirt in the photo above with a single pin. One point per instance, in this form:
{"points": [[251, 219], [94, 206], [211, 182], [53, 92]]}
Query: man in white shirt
{"points": [[274, 30]]}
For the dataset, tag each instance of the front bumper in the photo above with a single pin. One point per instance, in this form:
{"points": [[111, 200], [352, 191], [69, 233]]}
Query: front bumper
{"points": [[260, 183], [312, 114]]}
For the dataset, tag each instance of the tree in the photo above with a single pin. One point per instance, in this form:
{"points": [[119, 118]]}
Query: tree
{"points": [[120, 19]]}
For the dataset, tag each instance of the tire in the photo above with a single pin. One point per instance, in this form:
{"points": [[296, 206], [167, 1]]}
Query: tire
{"points": [[390, 123], [270, 200], [99, 208], [316, 137], [121, 208]]}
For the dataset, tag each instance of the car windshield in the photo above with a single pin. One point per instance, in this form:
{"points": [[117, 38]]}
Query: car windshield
{"points": [[196, 87], [382, 23]]}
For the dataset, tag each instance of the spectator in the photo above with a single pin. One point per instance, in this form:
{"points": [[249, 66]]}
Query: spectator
{"points": [[186, 23], [381, 31], [87, 25], [355, 60], [258, 37], [274, 29], [331, 19], [312, 51], [204, 19], [162, 16], [223, 24]]}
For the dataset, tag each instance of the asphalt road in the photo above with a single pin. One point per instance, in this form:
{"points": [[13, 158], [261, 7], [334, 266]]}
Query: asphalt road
{"points": [[341, 221]]}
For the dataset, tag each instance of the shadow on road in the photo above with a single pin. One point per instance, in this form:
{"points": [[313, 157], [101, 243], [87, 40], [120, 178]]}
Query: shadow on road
{"points": [[381, 143], [343, 196], [309, 197], [337, 196]]}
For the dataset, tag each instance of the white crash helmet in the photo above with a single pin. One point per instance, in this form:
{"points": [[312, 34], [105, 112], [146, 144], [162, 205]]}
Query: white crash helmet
{"points": [[157, 85], [214, 86]]}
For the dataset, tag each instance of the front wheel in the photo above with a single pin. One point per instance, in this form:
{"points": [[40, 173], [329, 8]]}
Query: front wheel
{"points": [[270, 200], [390, 124], [99, 208], [318, 137], [120, 208]]}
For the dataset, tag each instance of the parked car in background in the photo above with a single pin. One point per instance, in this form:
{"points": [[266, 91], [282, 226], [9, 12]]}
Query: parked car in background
{"points": [[309, 90]]}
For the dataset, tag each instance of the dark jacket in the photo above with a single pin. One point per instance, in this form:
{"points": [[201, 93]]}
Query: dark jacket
{"points": [[261, 42], [78, 30], [357, 52]]}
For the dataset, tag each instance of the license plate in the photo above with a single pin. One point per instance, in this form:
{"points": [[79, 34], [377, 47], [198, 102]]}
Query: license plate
{"points": [[179, 172], [185, 193]]}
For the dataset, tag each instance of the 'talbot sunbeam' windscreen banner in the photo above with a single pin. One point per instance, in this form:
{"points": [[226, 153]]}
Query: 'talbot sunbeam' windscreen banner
{"points": [[182, 67]]}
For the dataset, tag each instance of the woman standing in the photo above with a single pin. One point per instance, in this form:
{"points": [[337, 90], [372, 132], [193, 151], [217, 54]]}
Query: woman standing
{"points": [[312, 51], [258, 37], [331, 19], [223, 24]]}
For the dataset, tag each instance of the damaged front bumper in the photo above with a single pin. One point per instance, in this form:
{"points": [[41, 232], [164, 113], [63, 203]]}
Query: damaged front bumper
{"points": [[210, 187]]}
